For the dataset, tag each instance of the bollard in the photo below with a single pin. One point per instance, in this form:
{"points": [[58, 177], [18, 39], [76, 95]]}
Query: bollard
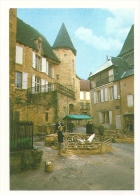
{"points": [[48, 166]]}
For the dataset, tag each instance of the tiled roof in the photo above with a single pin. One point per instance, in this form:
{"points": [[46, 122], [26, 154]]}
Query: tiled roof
{"points": [[106, 65], [129, 42], [26, 36], [117, 63], [84, 85], [127, 73], [63, 40]]}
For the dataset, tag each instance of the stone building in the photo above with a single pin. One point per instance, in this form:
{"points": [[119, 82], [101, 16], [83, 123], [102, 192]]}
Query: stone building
{"points": [[112, 88], [85, 107], [44, 86]]}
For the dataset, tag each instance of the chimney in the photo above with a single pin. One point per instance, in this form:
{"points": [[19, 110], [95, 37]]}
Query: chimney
{"points": [[107, 58]]}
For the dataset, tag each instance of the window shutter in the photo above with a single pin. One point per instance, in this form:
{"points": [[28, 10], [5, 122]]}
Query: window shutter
{"points": [[46, 86], [110, 117], [81, 95], [130, 100], [33, 60], [95, 95], [47, 66], [87, 95], [106, 94], [52, 72], [33, 83], [24, 80], [42, 85], [102, 95], [100, 117], [115, 91], [44, 65], [19, 55]]}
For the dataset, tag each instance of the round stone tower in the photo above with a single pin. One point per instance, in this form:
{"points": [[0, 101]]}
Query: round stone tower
{"points": [[65, 51]]}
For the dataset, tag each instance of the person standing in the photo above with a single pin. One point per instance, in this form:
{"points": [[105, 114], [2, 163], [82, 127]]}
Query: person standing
{"points": [[101, 129], [89, 128], [60, 140], [129, 127], [70, 126], [57, 125]]}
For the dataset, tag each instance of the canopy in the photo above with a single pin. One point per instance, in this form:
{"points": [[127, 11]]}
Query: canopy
{"points": [[77, 117]]}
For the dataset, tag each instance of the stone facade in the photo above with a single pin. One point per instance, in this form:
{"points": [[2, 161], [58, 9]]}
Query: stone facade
{"points": [[45, 107], [12, 43]]}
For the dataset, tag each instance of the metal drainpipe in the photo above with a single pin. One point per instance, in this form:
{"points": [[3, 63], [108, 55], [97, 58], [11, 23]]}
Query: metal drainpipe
{"points": [[120, 103]]}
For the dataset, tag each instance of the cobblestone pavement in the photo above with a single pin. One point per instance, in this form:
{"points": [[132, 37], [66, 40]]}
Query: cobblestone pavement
{"points": [[110, 171]]}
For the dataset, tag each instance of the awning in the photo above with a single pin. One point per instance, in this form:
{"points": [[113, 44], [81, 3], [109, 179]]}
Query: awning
{"points": [[125, 114], [77, 117]]}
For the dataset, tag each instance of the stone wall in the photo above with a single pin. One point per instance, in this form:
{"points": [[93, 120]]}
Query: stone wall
{"points": [[24, 160]]}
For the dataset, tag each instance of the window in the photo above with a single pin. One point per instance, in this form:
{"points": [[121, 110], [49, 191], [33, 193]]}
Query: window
{"points": [[18, 80], [81, 95], [110, 73], [50, 71], [36, 63], [46, 116], [35, 84], [99, 96], [102, 95], [95, 97], [87, 95], [19, 55], [44, 65], [111, 90], [81, 105], [21, 80], [105, 117], [130, 100], [87, 105], [106, 94]]}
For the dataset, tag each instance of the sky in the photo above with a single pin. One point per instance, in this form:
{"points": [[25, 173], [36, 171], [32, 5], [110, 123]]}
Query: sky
{"points": [[95, 32]]}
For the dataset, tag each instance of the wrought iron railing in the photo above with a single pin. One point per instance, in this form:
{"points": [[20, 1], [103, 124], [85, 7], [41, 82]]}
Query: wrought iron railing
{"points": [[102, 81], [21, 135], [49, 88]]}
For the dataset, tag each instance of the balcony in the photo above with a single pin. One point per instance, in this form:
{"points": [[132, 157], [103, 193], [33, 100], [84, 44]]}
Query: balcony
{"points": [[102, 82], [41, 91]]}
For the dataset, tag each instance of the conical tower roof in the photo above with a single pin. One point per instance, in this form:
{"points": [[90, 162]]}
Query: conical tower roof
{"points": [[129, 42], [63, 40]]}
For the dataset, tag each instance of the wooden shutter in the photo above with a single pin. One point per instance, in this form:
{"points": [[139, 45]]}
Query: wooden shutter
{"points": [[115, 92], [102, 95], [87, 95], [52, 72], [46, 86], [42, 85], [24, 80], [130, 100], [47, 66], [95, 96], [81, 95], [44, 65], [118, 122], [110, 117], [33, 59], [100, 117], [106, 94], [33, 83], [19, 55]]}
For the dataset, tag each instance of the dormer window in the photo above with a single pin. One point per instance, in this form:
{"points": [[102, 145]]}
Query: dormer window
{"points": [[38, 42]]}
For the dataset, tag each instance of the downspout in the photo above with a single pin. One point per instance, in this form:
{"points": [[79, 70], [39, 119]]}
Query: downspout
{"points": [[120, 105]]}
